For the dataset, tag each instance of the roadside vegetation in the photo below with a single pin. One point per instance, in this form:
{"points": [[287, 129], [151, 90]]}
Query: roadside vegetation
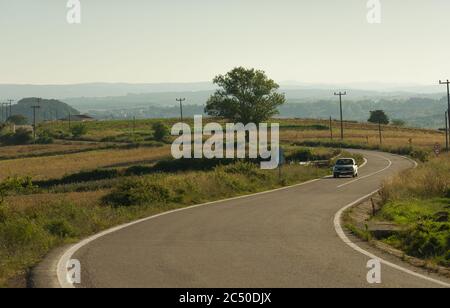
{"points": [[419, 201], [33, 221], [118, 171]]}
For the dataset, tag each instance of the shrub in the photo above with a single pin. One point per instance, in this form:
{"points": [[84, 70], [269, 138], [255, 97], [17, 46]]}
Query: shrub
{"points": [[20, 137], [160, 131], [60, 228], [427, 239], [243, 168], [303, 155], [78, 130], [144, 191], [45, 137], [14, 185]]}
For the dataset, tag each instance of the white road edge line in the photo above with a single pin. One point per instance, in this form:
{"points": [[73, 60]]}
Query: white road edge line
{"points": [[346, 240], [369, 175]]}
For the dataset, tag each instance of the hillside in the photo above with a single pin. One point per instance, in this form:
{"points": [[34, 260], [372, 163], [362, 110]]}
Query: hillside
{"points": [[50, 109], [416, 111]]}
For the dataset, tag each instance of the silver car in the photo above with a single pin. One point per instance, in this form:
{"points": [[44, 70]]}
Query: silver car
{"points": [[345, 166]]}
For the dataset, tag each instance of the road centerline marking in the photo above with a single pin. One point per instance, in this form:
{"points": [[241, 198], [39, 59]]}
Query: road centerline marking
{"points": [[369, 175]]}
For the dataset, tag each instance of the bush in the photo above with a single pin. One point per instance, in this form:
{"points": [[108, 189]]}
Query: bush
{"points": [[144, 191], [78, 130], [243, 168], [60, 228], [15, 185], [302, 155], [427, 239], [20, 137], [45, 137], [160, 131]]}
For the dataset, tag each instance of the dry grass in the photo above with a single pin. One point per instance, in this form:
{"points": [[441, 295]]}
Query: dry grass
{"points": [[366, 134], [430, 180], [23, 202], [20, 151], [293, 131], [44, 168]]}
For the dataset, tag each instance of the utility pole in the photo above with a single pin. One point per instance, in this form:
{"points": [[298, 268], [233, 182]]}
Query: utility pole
{"points": [[181, 100], [379, 131], [446, 132], [448, 99], [10, 106], [2, 111], [134, 129], [331, 128], [340, 94], [34, 107]]}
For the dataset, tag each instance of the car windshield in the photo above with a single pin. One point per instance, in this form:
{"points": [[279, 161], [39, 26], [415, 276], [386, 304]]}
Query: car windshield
{"points": [[344, 162]]}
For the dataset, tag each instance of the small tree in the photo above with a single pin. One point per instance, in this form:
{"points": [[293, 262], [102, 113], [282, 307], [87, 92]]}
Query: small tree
{"points": [[18, 119], [379, 116], [246, 96], [78, 130], [160, 131]]}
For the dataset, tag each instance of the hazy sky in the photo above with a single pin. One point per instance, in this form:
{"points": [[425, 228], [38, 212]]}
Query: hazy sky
{"points": [[316, 41]]}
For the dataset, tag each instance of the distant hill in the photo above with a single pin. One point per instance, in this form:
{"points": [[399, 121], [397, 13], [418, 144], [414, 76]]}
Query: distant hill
{"points": [[299, 90], [13, 91], [50, 109], [418, 105], [418, 112]]}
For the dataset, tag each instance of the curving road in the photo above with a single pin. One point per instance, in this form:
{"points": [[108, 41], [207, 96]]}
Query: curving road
{"points": [[284, 238]]}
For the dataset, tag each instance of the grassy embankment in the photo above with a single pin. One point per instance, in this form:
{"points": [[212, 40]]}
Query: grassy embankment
{"points": [[419, 201]]}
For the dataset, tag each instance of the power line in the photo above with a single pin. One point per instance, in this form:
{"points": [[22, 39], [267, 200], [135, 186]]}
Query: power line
{"points": [[446, 132], [331, 128], [448, 99], [10, 106], [340, 94], [379, 131], [34, 107], [181, 100], [4, 111]]}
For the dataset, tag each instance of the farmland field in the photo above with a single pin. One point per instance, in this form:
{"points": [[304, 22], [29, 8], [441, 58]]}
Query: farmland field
{"points": [[45, 217]]}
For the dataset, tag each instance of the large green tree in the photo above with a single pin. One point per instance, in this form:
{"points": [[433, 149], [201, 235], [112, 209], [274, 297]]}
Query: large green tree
{"points": [[379, 116], [245, 96]]}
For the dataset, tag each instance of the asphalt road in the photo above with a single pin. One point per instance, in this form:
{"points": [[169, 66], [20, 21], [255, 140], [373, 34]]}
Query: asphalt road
{"points": [[280, 239]]}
